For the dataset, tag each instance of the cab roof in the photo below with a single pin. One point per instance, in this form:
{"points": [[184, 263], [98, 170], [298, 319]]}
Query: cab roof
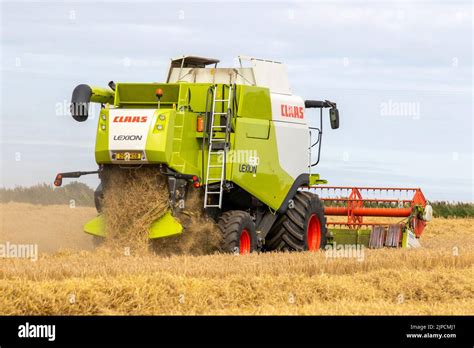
{"points": [[192, 62]]}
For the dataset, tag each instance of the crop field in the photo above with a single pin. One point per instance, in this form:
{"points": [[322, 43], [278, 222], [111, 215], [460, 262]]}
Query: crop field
{"points": [[71, 277]]}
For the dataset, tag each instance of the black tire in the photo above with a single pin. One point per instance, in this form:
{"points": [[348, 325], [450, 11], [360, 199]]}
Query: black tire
{"points": [[291, 230], [238, 232]]}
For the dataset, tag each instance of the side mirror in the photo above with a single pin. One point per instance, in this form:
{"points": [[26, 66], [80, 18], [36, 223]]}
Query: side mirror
{"points": [[334, 117]]}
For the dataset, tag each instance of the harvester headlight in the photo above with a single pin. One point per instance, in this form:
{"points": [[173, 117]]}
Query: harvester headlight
{"points": [[103, 117], [159, 127], [103, 127], [162, 117]]}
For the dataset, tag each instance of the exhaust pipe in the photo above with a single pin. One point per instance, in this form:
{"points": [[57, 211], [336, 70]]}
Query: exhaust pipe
{"points": [[83, 95]]}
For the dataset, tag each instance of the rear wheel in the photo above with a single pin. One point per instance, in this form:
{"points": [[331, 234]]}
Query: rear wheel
{"points": [[238, 232], [302, 227]]}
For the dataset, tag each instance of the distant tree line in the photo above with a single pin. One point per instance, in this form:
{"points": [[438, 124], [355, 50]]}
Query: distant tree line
{"points": [[453, 209], [83, 195], [80, 193]]}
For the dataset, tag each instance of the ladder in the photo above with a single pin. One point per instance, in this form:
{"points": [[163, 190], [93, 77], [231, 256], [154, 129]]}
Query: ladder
{"points": [[218, 147]]}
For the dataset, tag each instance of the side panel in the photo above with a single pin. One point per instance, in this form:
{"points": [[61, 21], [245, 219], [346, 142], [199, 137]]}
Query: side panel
{"points": [[292, 143], [292, 133], [185, 157], [288, 108], [259, 129], [159, 143], [256, 166], [254, 102], [193, 97]]}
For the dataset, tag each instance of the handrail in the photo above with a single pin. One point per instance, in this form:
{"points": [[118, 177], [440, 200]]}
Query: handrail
{"points": [[318, 141]]}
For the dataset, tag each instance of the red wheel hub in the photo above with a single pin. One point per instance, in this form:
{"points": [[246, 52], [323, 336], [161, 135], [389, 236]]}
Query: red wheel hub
{"points": [[244, 242], [314, 233]]}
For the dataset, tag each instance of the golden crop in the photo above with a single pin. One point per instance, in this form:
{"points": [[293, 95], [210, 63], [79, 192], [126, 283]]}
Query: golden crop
{"points": [[436, 279]]}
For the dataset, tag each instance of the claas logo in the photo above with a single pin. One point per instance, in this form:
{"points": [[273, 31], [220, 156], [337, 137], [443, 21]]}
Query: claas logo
{"points": [[130, 119], [292, 111]]}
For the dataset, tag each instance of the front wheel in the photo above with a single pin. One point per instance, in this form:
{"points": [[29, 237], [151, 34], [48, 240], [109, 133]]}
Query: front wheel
{"points": [[238, 232], [302, 227]]}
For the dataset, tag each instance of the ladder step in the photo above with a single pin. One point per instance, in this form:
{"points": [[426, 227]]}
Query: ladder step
{"points": [[218, 146], [213, 192], [218, 126], [212, 206], [221, 100], [220, 113]]}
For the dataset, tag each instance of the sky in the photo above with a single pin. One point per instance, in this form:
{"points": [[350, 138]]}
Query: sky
{"points": [[400, 72]]}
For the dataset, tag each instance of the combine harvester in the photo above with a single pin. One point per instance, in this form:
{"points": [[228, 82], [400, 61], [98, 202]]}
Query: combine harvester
{"points": [[240, 137]]}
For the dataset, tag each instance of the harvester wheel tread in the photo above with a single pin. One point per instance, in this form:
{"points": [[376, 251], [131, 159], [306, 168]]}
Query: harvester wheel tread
{"points": [[289, 241], [295, 231], [297, 228], [238, 232], [296, 217]]}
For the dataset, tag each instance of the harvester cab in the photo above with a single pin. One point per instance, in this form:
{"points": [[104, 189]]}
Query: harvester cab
{"points": [[238, 135]]}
